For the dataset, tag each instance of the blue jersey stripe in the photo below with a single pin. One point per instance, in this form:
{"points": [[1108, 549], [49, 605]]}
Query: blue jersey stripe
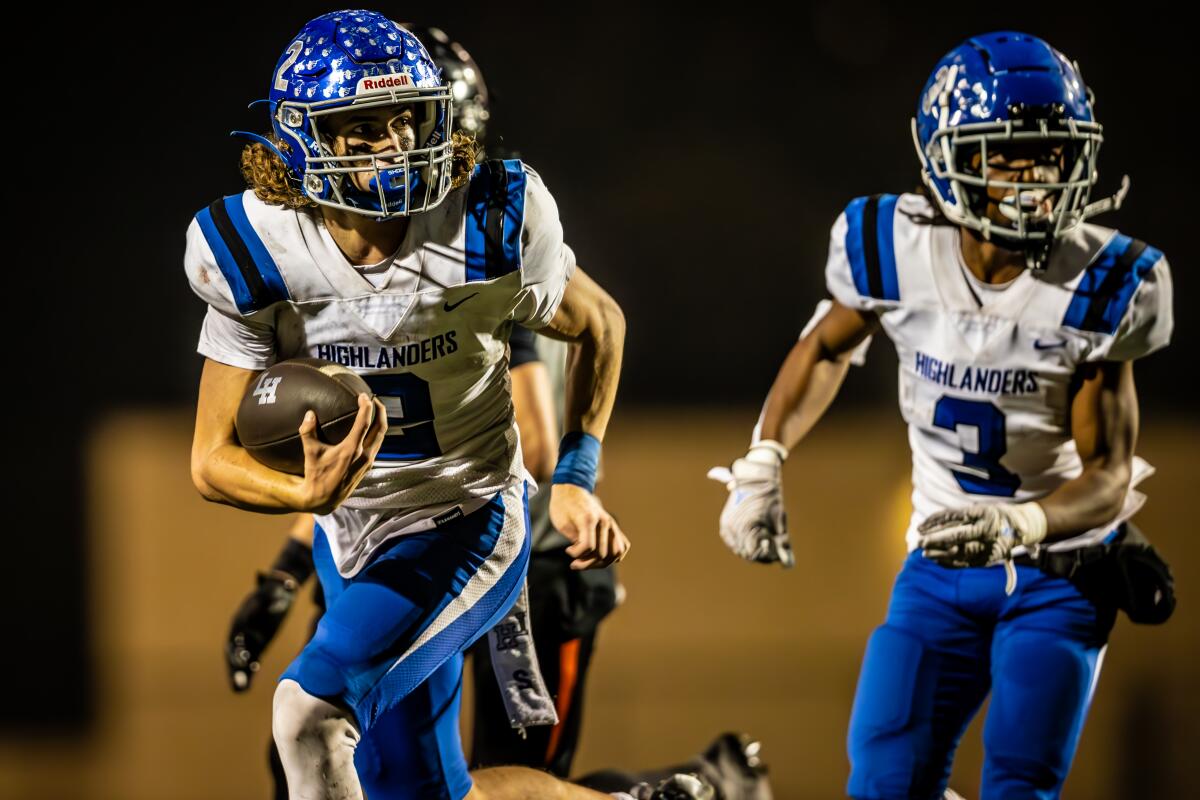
{"points": [[1107, 286], [225, 261], [1119, 304], [495, 214], [854, 245], [870, 246], [514, 217], [235, 206], [885, 225], [475, 223]]}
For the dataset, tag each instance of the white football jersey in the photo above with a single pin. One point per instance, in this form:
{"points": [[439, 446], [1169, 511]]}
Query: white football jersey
{"points": [[986, 376], [430, 338]]}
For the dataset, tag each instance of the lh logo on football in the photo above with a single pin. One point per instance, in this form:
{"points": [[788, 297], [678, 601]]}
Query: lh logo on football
{"points": [[265, 391]]}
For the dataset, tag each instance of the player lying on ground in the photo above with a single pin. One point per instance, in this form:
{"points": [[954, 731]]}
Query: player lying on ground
{"points": [[1016, 323]]}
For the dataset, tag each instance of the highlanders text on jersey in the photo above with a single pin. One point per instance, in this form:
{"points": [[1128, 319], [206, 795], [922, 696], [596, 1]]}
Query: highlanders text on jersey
{"points": [[430, 338], [986, 377]]}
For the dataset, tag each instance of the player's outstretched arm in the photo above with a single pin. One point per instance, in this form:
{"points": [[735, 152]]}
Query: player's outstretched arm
{"points": [[812, 373], [753, 524], [224, 472], [590, 319]]}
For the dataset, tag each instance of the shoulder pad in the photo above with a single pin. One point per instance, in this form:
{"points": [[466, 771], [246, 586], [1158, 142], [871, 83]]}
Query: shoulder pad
{"points": [[870, 246], [495, 215], [253, 277], [1107, 285]]}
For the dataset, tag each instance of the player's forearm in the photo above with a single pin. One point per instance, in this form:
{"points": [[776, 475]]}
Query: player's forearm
{"points": [[803, 390], [537, 420], [594, 369], [1104, 425], [229, 475], [1093, 499], [812, 374]]}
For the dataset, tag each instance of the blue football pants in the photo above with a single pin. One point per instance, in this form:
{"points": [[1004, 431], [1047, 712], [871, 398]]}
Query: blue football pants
{"points": [[391, 641], [950, 637]]}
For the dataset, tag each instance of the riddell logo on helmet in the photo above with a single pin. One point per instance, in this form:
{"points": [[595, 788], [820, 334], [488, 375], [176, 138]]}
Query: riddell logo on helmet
{"points": [[391, 81]]}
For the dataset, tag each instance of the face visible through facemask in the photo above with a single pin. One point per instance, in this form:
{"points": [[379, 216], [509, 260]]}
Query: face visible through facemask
{"points": [[371, 131], [1035, 163]]}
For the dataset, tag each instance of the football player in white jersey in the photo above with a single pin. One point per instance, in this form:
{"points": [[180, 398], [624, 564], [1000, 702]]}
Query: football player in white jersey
{"points": [[380, 245], [1016, 323]]}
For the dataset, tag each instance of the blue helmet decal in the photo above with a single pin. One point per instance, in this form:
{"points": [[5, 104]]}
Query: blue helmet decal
{"points": [[996, 73], [999, 88], [364, 60]]}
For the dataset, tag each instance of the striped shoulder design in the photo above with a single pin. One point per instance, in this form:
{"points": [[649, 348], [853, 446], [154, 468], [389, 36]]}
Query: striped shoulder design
{"points": [[251, 272], [495, 216], [1107, 286], [870, 246]]}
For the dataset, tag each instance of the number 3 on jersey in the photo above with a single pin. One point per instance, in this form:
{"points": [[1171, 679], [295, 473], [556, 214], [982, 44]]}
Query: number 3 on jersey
{"points": [[411, 435], [980, 472]]}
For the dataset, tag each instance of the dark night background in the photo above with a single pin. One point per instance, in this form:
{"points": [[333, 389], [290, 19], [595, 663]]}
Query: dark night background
{"points": [[698, 161]]}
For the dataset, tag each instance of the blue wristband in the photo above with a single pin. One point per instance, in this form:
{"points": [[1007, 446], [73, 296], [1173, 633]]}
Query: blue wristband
{"points": [[578, 460]]}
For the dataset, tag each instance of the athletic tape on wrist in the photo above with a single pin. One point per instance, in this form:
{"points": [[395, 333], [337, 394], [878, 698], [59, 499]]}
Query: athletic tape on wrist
{"points": [[771, 446], [578, 460]]}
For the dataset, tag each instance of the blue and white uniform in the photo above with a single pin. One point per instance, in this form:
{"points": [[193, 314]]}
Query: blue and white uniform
{"points": [[986, 381], [432, 547]]}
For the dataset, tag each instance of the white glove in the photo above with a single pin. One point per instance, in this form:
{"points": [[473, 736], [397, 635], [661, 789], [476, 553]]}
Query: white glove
{"points": [[982, 535], [753, 523]]}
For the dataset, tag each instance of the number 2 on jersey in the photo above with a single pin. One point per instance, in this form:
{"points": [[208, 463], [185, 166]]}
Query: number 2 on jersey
{"points": [[981, 472], [411, 435]]}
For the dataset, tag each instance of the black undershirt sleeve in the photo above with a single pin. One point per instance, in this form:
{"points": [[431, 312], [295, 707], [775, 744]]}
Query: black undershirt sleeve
{"points": [[524, 348]]}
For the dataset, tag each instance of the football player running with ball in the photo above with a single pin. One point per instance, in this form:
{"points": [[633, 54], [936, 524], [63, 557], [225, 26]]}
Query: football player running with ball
{"points": [[1016, 323], [371, 238]]}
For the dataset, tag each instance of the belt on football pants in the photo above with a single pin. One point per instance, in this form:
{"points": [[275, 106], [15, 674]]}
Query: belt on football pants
{"points": [[1063, 564]]}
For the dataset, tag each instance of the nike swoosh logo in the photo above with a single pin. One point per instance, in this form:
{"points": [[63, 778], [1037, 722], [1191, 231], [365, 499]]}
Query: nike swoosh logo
{"points": [[1038, 344], [451, 307]]}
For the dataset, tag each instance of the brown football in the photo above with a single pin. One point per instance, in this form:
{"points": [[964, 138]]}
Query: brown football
{"points": [[269, 417]]}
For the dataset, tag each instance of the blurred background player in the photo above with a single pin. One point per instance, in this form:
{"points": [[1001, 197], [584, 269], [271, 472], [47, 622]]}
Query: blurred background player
{"points": [[566, 605], [1016, 323]]}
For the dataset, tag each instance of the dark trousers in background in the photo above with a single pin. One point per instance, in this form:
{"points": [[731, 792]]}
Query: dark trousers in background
{"points": [[565, 609]]}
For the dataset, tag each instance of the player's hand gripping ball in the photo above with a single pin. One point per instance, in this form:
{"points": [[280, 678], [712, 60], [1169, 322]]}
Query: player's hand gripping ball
{"points": [[269, 417]]}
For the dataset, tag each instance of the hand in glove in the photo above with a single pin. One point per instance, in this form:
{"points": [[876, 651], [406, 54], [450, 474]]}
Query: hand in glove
{"points": [[753, 523], [982, 535], [254, 625]]}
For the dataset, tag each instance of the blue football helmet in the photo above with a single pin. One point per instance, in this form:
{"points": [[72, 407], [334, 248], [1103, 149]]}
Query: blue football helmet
{"points": [[1008, 88], [362, 59]]}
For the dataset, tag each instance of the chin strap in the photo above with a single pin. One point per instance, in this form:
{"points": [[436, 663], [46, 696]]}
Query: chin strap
{"points": [[1037, 253], [1110, 203]]}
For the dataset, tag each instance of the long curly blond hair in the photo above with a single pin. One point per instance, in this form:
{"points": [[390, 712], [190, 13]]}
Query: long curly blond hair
{"points": [[267, 175]]}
